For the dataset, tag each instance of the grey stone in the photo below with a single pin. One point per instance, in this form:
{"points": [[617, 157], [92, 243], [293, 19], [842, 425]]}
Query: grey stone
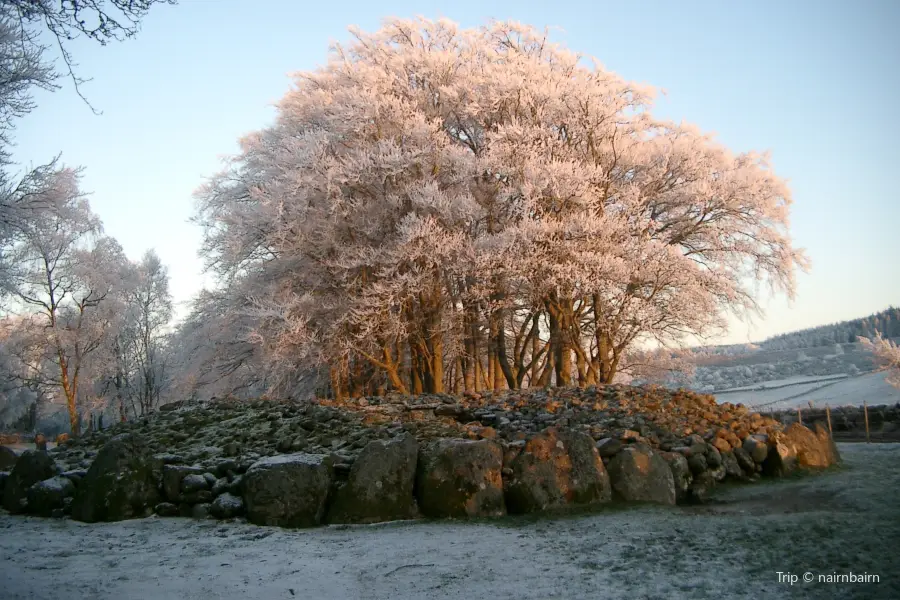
{"points": [[166, 509], [697, 464], [756, 448], [194, 482], [732, 468], [745, 461], [227, 506], [200, 511], [32, 467], [122, 483], [460, 478], [380, 484], [681, 474], [555, 470], [701, 488], [608, 447], [288, 490], [8, 458], [639, 474], [46, 496]]}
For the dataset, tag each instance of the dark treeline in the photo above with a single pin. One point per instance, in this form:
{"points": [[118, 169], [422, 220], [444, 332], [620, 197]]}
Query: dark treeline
{"points": [[886, 322]]}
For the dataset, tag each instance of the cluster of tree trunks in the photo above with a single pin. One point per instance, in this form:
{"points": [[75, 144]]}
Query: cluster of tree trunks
{"points": [[565, 342]]}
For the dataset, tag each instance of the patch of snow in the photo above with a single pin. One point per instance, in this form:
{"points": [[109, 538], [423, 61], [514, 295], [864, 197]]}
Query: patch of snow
{"points": [[284, 459], [846, 391], [56, 484], [786, 381], [640, 552]]}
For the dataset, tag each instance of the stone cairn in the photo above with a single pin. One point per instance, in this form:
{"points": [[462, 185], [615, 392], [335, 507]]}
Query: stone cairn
{"points": [[377, 459]]}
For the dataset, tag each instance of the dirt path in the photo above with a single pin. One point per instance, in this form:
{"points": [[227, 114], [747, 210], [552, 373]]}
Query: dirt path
{"points": [[841, 522]]}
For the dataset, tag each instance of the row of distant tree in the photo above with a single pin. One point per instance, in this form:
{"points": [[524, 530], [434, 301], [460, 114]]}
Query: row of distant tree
{"points": [[886, 322]]}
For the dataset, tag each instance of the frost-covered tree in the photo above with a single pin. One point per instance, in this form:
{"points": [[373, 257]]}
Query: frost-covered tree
{"points": [[460, 209], [22, 69], [62, 276], [887, 353], [140, 345]]}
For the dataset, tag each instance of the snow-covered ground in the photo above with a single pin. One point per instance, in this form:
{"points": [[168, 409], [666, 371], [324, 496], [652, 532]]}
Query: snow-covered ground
{"points": [[787, 381], [871, 388], [842, 521]]}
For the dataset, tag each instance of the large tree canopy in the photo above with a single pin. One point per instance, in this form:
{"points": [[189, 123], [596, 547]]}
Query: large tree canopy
{"points": [[442, 209]]}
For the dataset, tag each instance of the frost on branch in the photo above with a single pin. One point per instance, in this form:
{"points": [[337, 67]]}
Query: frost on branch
{"points": [[887, 353], [445, 209]]}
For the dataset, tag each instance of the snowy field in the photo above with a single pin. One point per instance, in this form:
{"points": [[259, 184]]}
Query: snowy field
{"points": [[842, 521], [787, 381], [870, 388]]}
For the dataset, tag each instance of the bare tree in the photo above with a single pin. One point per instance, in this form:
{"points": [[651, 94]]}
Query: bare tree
{"points": [[149, 310], [99, 20], [22, 69]]}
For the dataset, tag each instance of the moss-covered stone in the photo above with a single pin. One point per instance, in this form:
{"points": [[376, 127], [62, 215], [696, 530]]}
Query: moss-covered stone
{"points": [[639, 474], [460, 478], [380, 486], [122, 483], [555, 470], [32, 467], [45, 497], [8, 458], [288, 490]]}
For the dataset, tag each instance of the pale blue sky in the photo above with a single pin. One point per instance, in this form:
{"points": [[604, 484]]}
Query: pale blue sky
{"points": [[816, 82]]}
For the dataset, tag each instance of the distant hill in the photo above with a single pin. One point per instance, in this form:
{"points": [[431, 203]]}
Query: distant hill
{"points": [[887, 322], [820, 364]]}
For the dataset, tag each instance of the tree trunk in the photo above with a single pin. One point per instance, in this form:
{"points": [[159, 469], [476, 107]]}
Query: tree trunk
{"points": [[415, 372], [503, 368], [535, 341], [336, 387], [560, 345], [547, 372], [356, 379], [69, 391]]}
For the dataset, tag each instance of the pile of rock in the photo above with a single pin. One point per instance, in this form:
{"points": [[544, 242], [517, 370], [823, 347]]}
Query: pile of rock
{"points": [[382, 459]]}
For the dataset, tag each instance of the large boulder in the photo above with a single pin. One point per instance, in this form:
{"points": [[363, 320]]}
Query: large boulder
{"points": [[798, 447], [122, 483], [639, 474], [380, 486], [681, 474], [460, 478], [815, 449], [33, 466], [554, 470], [288, 490], [8, 458], [49, 495]]}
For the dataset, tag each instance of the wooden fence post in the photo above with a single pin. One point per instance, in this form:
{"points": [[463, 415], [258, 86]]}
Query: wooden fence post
{"points": [[866, 414], [828, 416]]}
